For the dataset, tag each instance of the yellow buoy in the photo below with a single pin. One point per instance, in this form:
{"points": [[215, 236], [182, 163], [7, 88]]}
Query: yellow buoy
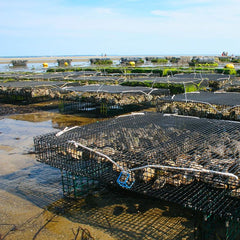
{"points": [[132, 64], [45, 64], [66, 64], [229, 65]]}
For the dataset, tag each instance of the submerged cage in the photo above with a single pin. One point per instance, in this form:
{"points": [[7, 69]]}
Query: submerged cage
{"points": [[193, 162], [108, 100]]}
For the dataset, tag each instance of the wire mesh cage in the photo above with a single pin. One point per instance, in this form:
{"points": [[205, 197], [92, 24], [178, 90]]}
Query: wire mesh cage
{"points": [[191, 161], [219, 105], [25, 92], [108, 100], [75, 185]]}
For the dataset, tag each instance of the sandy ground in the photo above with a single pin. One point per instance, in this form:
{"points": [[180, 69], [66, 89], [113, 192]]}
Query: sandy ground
{"points": [[74, 58], [20, 219], [32, 205], [54, 59]]}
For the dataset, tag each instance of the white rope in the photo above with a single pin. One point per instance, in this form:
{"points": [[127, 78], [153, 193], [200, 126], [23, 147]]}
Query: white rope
{"points": [[180, 116], [153, 166], [66, 129], [186, 169], [132, 114], [99, 153]]}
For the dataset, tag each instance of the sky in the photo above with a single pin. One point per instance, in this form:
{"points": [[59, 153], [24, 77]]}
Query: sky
{"points": [[119, 27]]}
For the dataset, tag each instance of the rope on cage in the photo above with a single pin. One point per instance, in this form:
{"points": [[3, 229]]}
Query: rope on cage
{"points": [[132, 114], [180, 116], [195, 101], [100, 88], [126, 173], [66, 129], [76, 144], [186, 169], [135, 91]]}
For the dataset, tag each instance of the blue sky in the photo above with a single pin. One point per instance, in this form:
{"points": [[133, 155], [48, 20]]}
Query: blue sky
{"points": [[123, 27]]}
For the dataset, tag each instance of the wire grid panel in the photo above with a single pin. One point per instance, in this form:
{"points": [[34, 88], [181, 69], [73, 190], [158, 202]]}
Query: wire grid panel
{"points": [[149, 148], [218, 98], [206, 76], [110, 89]]}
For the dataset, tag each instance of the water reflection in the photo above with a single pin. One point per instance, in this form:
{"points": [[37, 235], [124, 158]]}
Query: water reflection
{"points": [[128, 217], [38, 67], [58, 120]]}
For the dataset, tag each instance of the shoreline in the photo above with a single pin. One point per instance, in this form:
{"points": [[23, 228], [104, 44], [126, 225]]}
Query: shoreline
{"points": [[50, 59]]}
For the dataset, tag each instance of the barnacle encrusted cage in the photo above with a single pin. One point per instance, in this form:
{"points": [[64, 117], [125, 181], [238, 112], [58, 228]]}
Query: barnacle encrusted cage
{"points": [[108, 100], [191, 161]]}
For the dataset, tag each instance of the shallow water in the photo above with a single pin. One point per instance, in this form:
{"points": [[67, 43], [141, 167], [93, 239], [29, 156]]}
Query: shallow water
{"points": [[57, 120], [38, 67]]}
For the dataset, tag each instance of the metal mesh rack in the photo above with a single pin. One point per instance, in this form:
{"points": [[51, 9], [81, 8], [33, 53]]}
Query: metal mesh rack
{"points": [[208, 76], [75, 185], [25, 92], [190, 161], [109, 100], [217, 98], [220, 105], [194, 78], [29, 84], [115, 89]]}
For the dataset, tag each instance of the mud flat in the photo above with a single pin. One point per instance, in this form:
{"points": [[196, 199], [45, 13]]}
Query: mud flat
{"points": [[52, 59], [74, 58]]}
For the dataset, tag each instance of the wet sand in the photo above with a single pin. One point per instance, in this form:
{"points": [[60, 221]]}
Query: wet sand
{"points": [[74, 58], [54, 59], [32, 205]]}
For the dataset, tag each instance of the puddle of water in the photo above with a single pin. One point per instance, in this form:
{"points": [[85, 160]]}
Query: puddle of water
{"points": [[16, 139], [17, 132], [57, 120], [6, 148]]}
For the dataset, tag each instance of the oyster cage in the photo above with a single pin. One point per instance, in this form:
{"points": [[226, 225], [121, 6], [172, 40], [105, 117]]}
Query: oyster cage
{"points": [[190, 161], [75, 185], [108, 100], [26, 92], [218, 105]]}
